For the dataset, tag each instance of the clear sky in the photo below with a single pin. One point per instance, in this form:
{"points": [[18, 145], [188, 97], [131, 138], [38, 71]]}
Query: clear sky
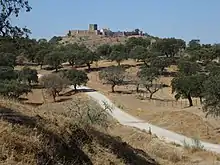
{"points": [[186, 19]]}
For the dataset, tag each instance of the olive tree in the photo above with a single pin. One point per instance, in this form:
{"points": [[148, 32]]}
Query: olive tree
{"points": [[54, 84], [28, 75], [147, 77], [188, 87], [211, 96], [10, 8], [55, 59], [76, 77], [113, 75], [13, 89], [118, 53]]}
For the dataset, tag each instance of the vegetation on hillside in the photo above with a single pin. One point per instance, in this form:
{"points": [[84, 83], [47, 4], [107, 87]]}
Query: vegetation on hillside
{"points": [[193, 60], [64, 137]]}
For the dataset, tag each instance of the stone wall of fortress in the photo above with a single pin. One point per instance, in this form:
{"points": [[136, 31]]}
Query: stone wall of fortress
{"points": [[83, 32]]}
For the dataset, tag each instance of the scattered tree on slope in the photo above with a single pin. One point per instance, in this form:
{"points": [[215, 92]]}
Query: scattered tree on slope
{"points": [[147, 77], [54, 84], [114, 75], [76, 77]]}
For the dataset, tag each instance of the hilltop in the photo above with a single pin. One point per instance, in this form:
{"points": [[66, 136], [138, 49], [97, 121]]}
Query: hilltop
{"points": [[93, 41], [94, 37]]}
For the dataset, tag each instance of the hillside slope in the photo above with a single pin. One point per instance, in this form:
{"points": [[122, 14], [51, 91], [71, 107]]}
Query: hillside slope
{"points": [[92, 41], [62, 133]]}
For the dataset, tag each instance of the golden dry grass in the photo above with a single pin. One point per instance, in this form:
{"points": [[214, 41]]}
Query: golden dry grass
{"points": [[55, 131], [93, 41], [46, 133], [163, 111], [109, 145]]}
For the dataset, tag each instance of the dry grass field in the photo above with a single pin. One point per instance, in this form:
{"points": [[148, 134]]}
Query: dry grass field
{"points": [[93, 41], [163, 110], [122, 142], [35, 133]]}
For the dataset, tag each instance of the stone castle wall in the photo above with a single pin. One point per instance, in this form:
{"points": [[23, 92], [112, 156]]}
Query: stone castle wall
{"points": [[82, 32]]}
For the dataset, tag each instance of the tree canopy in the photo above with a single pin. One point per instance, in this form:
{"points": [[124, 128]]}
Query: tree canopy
{"points": [[118, 53], [211, 96], [170, 46], [8, 9], [147, 78], [188, 87], [55, 59], [114, 75], [54, 84], [76, 77]]}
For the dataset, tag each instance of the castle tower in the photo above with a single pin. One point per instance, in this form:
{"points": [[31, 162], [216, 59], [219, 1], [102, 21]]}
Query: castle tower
{"points": [[93, 27]]}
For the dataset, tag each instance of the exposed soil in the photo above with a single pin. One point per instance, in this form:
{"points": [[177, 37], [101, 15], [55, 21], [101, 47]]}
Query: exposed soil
{"points": [[163, 110]]}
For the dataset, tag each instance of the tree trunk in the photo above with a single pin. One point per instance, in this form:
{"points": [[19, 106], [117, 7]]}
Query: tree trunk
{"points": [[54, 96], [200, 99], [151, 95], [113, 88], [42, 92], [145, 63], [29, 82], [119, 63], [56, 68], [41, 66], [89, 66], [137, 88], [190, 100], [75, 87], [58, 93]]}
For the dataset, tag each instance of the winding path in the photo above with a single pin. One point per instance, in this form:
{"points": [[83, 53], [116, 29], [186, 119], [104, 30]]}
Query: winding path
{"points": [[128, 120]]}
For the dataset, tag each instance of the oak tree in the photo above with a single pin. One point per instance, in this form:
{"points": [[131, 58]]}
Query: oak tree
{"points": [[76, 77], [147, 78], [54, 84], [113, 75]]}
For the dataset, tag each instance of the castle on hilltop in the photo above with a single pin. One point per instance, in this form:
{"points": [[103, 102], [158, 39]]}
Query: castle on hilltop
{"points": [[93, 30]]}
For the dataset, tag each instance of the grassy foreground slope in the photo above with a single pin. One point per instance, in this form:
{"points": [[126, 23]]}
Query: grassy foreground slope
{"points": [[79, 132]]}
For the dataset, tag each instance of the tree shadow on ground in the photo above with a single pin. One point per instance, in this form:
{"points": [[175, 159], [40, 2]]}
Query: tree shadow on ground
{"points": [[37, 86], [158, 99], [17, 118], [85, 90], [122, 92], [68, 93], [56, 149], [127, 66], [139, 91], [59, 100], [97, 69], [33, 104], [22, 99], [124, 151], [50, 68], [169, 74], [73, 92], [66, 148]]}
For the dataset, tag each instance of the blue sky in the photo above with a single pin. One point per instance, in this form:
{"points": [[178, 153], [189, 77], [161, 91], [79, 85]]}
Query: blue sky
{"points": [[186, 19]]}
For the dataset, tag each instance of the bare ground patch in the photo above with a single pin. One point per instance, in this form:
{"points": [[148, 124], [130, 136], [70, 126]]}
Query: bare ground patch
{"points": [[163, 110]]}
